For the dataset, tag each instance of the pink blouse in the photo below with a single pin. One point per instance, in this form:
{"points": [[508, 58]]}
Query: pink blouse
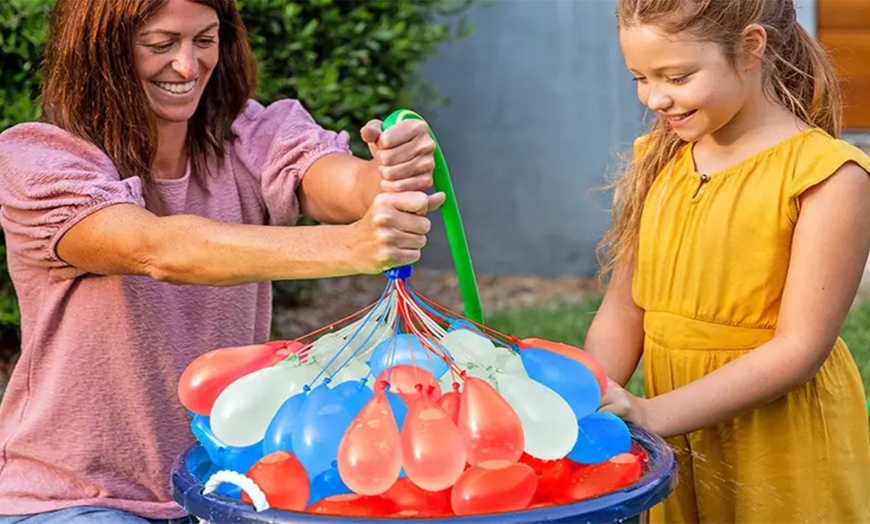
{"points": [[91, 415]]}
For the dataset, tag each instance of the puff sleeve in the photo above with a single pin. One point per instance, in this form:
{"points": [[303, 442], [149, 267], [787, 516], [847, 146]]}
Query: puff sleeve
{"points": [[276, 145], [49, 181], [821, 157]]}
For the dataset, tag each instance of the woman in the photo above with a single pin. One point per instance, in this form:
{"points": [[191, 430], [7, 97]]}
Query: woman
{"points": [[155, 168]]}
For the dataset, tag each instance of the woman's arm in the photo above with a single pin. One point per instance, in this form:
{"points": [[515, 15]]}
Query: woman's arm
{"points": [[615, 337], [339, 188], [186, 249], [829, 252], [378, 229]]}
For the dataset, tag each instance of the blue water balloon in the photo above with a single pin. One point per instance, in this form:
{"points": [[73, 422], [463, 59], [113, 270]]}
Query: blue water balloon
{"points": [[323, 390], [570, 379], [602, 437], [327, 484], [279, 433], [461, 323], [323, 420], [407, 349], [202, 432], [355, 394], [239, 459]]}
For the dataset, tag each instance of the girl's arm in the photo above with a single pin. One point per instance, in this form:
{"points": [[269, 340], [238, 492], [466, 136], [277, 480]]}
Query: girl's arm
{"points": [[615, 337], [829, 252]]}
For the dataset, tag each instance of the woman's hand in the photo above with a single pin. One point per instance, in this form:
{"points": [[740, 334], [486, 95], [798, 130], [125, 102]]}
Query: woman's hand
{"points": [[626, 406], [404, 154], [340, 188], [393, 231]]}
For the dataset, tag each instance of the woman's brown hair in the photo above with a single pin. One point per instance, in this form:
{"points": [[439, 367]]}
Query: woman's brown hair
{"points": [[90, 87], [798, 74]]}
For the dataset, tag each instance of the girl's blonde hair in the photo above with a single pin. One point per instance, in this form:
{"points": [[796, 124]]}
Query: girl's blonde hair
{"points": [[798, 73]]}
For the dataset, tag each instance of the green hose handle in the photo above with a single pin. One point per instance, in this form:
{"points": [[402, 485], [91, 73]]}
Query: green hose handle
{"points": [[452, 222]]}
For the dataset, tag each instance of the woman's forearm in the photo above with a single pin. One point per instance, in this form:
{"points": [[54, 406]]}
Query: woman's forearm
{"points": [[187, 249]]}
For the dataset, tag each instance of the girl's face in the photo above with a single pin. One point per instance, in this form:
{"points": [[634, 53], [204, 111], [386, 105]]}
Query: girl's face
{"points": [[688, 82], [174, 55]]}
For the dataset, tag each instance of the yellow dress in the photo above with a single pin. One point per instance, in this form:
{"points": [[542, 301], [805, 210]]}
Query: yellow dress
{"points": [[710, 269]]}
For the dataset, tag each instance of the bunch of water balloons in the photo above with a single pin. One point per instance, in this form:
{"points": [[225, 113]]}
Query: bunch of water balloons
{"points": [[406, 409]]}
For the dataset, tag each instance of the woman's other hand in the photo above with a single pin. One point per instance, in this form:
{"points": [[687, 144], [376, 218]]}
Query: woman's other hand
{"points": [[405, 154], [393, 231]]}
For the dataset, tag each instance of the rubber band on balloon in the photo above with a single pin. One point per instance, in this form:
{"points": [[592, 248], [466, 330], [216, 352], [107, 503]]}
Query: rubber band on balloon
{"points": [[246, 484]]}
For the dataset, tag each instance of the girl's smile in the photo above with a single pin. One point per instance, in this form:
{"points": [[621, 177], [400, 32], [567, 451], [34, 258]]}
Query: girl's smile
{"points": [[680, 120], [689, 83]]}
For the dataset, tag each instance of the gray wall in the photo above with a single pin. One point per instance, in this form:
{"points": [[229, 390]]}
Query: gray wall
{"points": [[539, 106], [539, 103], [807, 16]]}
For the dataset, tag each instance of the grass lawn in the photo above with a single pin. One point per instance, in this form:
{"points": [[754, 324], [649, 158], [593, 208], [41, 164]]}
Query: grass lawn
{"points": [[569, 324]]}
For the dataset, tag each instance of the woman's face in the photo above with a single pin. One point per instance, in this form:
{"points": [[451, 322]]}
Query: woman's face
{"points": [[174, 55]]}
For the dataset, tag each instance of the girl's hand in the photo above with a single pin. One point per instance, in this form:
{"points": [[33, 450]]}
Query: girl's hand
{"points": [[393, 230], [626, 406], [404, 154]]}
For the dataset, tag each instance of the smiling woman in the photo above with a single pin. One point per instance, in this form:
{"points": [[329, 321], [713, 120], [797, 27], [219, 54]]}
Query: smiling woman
{"points": [[175, 54], [167, 42], [155, 167]]}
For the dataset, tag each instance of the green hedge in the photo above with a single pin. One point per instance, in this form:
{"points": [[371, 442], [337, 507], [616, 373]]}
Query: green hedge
{"points": [[347, 60]]}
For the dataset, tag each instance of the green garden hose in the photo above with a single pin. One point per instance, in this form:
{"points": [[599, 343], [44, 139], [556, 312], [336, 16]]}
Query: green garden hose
{"points": [[452, 223]]}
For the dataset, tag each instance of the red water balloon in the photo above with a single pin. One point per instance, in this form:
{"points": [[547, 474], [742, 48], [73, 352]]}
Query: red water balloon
{"points": [[210, 373], [493, 487], [433, 453], [283, 480], [571, 352], [405, 496], [350, 505], [490, 427], [552, 475], [370, 452], [597, 479], [450, 403], [411, 382], [417, 514], [639, 452]]}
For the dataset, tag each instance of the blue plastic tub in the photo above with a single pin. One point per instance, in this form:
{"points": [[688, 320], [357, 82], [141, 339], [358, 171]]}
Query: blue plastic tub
{"points": [[656, 483]]}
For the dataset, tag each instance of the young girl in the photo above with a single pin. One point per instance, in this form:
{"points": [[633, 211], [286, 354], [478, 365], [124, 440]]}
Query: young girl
{"points": [[155, 168], [741, 231]]}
